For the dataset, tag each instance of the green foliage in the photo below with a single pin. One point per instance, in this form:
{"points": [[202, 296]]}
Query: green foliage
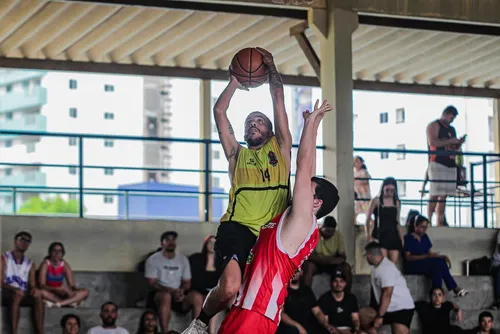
{"points": [[49, 205]]}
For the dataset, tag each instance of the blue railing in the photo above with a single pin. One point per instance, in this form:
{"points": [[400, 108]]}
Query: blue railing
{"points": [[483, 187]]}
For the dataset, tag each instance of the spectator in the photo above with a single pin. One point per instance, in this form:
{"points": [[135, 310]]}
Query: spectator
{"points": [[204, 278], [301, 310], [362, 190], [435, 316], [70, 324], [340, 307], [420, 260], [169, 274], [395, 304], [442, 170], [387, 230], [148, 323], [495, 272], [109, 314], [486, 324], [329, 254], [19, 283], [51, 275]]}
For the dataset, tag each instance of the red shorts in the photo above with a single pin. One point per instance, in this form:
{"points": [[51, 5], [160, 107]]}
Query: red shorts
{"points": [[242, 321]]}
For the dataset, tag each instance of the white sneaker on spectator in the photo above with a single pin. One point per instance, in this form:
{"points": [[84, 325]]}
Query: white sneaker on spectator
{"points": [[48, 303], [196, 327], [461, 293]]}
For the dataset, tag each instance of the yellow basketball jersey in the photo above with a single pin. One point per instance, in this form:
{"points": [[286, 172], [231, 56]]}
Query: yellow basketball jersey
{"points": [[260, 187]]}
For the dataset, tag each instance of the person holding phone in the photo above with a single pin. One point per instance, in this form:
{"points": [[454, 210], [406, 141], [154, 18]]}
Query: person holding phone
{"points": [[420, 260]]}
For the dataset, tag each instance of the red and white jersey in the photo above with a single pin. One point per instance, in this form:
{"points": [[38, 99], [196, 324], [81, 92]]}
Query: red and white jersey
{"points": [[270, 268]]}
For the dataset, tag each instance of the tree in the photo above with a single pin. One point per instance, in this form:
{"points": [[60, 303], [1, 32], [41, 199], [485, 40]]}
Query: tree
{"points": [[50, 205]]}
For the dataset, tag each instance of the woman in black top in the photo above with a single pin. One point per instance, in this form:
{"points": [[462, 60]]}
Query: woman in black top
{"points": [[387, 229], [435, 315], [203, 277]]}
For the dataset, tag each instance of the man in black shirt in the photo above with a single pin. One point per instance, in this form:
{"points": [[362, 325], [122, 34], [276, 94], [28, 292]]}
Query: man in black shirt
{"points": [[300, 310], [340, 307], [435, 316], [486, 324]]}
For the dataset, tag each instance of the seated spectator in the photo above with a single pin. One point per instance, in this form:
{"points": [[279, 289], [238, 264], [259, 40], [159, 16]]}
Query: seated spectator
{"points": [[486, 324], [70, 324], [51, 275], [19, 283], [301, 310], [395, 305], [329, 254], [109, 314], [148, 323], [340, 307], [435, 316], [204, 278], [169, 275], [420, 260], [495, 272]]}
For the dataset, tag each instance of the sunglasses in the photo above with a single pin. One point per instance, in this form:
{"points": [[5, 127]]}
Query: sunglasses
{"points": [[23, 239]]}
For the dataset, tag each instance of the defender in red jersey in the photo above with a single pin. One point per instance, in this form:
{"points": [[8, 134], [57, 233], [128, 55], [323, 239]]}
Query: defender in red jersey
{"points": [[284, 243]]}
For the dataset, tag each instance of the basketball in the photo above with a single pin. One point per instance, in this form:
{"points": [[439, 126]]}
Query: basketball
{"points": [[248, 68]]}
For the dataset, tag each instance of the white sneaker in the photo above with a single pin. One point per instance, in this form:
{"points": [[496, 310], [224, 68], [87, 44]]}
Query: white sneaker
{"points": [[196, 327]]}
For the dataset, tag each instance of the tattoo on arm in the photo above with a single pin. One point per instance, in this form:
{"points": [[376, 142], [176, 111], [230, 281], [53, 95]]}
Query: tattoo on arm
{"points": [[231, 131], [275, 80]]}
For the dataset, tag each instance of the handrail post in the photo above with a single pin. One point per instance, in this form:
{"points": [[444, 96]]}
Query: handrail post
{"points": [[80, 174], [485, 192], [472, 197], [14, 200]]}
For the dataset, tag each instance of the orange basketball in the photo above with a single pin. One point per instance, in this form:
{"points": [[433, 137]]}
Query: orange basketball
{"points": [[248, 68]]}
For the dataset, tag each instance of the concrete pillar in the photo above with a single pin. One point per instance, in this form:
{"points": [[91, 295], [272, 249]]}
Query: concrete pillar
{"points": [[496, 141], [205, 202], [336, 26]]}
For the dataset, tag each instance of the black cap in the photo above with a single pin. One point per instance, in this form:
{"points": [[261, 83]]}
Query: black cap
{"points": [[330, 222], [338, 273], [165, 235]]}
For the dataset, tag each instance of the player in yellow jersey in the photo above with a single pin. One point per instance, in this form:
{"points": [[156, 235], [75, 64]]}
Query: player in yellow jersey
{"points": [[260, 175]]}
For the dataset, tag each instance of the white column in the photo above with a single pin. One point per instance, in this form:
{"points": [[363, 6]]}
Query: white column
{"points": [[336, 26], [205, 133]]}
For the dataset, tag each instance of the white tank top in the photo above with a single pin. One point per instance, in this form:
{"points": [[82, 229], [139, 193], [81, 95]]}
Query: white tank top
{"points": [[17, 274]]}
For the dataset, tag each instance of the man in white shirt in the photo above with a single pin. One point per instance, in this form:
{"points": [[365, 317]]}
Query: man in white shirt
{"points": [[395, 303], [109, 314], [169, 275]]}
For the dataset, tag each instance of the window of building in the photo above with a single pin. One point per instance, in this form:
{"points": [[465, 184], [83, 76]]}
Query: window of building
{"points": [[8, 200], [384, 117], [73, 84], [9, 88], [491, 130], [401, 155], [72, 141], [109, 143], [8, 143], [72, 170], [108, 171], [215, 182], [7, 171], [73, 112], [72, 197], [26, 85], [9, 115], [108, 199], [109, 88], [30, 147], [109, 115], [400, 115], [401, 188], [216, 155], [384, 155]]}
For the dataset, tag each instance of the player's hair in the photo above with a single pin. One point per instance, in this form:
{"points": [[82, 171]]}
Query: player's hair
{"points": [[328, 193]]}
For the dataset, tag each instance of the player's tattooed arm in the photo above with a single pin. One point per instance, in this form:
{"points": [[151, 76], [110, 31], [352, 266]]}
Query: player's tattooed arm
{"points": [[275, 80]]}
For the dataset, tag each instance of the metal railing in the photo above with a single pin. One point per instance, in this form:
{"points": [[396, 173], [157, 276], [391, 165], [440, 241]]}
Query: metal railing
{"points": [[484, 187], [466, 196]]}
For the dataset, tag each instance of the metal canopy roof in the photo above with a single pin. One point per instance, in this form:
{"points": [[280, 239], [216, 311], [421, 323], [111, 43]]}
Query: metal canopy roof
{"points": [[165, 37]]}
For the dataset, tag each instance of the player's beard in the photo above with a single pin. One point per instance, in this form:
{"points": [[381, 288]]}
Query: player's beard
{"points": [[257, 141]]}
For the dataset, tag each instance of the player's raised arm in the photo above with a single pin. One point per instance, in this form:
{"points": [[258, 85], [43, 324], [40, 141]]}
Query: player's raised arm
{"points": [[226, 132], [282, 131]]}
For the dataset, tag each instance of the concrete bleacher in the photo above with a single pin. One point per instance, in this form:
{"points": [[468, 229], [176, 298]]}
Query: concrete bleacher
{"points": [[128, 288]]}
